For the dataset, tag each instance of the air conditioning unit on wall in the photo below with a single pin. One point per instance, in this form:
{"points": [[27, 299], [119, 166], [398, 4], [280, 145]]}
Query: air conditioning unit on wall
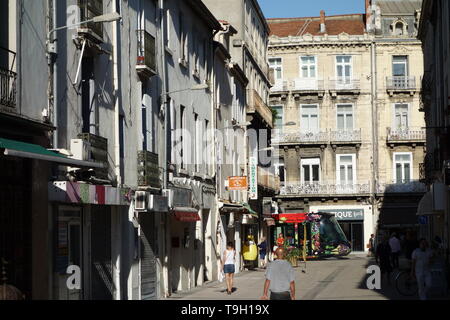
{"points": [[141, 201]]}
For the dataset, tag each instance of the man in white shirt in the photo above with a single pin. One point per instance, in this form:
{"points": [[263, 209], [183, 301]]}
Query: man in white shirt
{"points": [[394, 243], [421, 258]]}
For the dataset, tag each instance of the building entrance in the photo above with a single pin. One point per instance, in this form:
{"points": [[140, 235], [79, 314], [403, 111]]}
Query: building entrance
{"points": [[354, 231]]}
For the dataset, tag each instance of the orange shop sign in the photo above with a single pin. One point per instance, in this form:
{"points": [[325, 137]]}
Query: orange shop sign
{"points": [[237, 183]]}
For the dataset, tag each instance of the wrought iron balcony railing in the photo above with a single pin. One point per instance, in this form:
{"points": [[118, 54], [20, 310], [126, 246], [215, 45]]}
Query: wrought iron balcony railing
{"points": [[146, 58], [8, 81], [406, 134], [405, 186], [324, 188], [401, 83], [90, 9]]}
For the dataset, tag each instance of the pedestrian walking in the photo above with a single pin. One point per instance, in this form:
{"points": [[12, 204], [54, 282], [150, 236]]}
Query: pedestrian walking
{"points": [[421, 258], [280, 278], [371, 245], [228, 265], [396, 248], [262, 252], [280, 240], [383, 257]]}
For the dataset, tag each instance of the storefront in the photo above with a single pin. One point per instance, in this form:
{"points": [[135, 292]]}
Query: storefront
{"points": [[355, 221], [87, 240]]}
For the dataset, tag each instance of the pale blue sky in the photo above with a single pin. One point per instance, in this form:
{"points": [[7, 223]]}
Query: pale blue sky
{"points": [[309, 8]]}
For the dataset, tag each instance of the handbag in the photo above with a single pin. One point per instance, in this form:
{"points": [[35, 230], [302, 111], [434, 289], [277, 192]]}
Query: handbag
{"points": [[221, 276]]}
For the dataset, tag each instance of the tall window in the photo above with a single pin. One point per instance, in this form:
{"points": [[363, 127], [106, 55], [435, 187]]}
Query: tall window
{"points": [[309, 121], [278, 124], [345, 169], [182, 139], [310, 170], [344, 69], [402, 167], [401, 116], [168, 27], [280, 171], [344, 117], [183, 39], [399, 66], [276, 65], [308, 67], [197, 143]]}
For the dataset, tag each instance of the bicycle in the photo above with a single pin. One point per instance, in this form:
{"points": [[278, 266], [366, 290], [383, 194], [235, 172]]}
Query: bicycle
{"points": [[406, 284]]}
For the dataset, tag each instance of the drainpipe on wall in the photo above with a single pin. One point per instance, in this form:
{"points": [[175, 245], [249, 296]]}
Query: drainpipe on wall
{"points": [[165, 107], [374, 131], [116, 274]]}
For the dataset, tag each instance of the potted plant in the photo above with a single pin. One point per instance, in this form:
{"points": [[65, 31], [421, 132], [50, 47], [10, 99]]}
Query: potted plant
{"points": [[292, 255]]}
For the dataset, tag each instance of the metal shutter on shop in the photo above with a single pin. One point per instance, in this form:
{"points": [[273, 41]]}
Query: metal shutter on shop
{"points": [[101, 265], [149, 250]]}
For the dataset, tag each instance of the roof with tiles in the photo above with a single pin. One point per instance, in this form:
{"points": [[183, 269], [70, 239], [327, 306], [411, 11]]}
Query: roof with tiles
{"points": [[352, 24]]}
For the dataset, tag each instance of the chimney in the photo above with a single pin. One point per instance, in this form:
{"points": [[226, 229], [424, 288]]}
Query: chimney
{"points": [[323, 29]]}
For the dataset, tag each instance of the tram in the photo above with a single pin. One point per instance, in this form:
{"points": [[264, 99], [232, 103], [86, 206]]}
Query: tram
{"points": [[318, 233]]}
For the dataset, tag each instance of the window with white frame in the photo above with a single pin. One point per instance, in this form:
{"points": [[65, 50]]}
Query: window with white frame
{"points": [[276, 65], [308, 67], [343, 69], [197, 142], [345, 118], [401, 115], [402, 167], [346, 169], [309, 118], [183, 40], [310, 170], [400, 66], [278, 124], [168, 28]]}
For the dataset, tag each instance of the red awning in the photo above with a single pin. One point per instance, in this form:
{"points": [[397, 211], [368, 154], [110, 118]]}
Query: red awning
{"points": [[290, 217], [186, 214]]}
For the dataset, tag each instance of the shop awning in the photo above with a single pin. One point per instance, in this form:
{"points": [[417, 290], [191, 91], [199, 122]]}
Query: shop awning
{"points": [[33, 151], [186, 214], [425, 205], [232, 208], [250, 210]]}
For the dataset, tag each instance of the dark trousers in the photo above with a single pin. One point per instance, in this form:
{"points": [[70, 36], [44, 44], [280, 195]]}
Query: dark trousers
{"points": [[286, 295], [394, 256]]}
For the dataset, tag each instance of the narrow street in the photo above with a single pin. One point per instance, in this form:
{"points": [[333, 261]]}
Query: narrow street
{"points": [[332, 279]]}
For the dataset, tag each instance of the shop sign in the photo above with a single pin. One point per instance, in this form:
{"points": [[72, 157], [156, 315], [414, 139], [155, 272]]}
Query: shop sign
{"points": [[237, 183], [182, 197], [346, 214], [253, 177]]}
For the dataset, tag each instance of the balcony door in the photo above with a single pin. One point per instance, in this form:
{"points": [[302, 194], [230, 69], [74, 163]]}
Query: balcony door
{"points": [[400, 71], [277, 65], [344, 117], [401, 116], [402, 167], [309, 122], [310, 170], [308, 73], [343, 70], [346, 171]]}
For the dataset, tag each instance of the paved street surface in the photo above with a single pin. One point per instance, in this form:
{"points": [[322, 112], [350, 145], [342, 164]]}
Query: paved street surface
{"points": [[331, 279]]}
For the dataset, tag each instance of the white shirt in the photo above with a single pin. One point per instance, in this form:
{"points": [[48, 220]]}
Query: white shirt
{"points": [[422, 260], [394, 243], [229, 258]]}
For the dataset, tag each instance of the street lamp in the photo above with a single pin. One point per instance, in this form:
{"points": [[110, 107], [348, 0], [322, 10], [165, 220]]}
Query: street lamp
{"points": [[195, 87]]}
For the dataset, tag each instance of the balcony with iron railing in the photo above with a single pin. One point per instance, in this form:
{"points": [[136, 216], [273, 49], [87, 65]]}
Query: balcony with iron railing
{"points": [[404, 186], [268, 179], [324, 189], [257, 105], [413, 135], [299, 137], [8, 82], [88, 10], [146, 57], [397, 84]]}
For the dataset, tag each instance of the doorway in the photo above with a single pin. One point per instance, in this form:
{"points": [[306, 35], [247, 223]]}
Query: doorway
{"points": [[354, 231]]}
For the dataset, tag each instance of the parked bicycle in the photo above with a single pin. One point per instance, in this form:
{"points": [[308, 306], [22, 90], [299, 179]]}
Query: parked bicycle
{"points": [[406, 284]]}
